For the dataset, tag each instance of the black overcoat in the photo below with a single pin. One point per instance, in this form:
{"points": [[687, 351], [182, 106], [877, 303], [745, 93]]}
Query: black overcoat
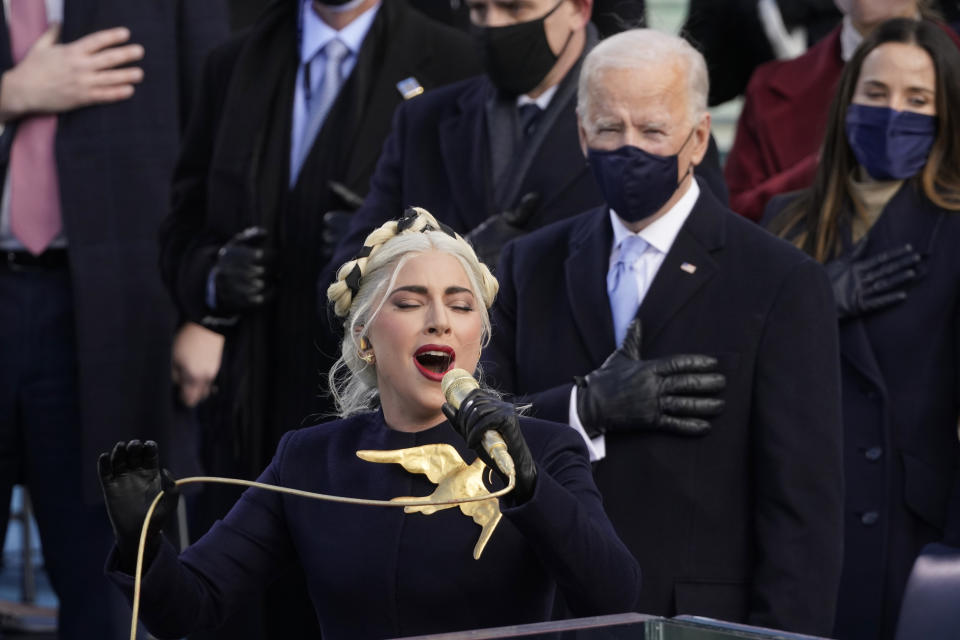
{"points": [[114, 164], [741, 524], [233, 173]]}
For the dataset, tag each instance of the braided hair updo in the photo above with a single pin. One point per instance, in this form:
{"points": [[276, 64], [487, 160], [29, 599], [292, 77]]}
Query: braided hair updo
{"points": [[358, 294]]}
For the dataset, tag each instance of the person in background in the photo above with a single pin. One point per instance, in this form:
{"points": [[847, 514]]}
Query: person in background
{"points": [[696, 354], [498, 153], [414, 307], [93, 99], [785, 113], [736, 36], [289, 127], [883, 215]]}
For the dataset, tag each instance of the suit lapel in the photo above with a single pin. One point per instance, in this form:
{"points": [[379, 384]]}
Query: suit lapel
{"points": [[393, 54], [586, 276], [463, 145], [687, 266]]}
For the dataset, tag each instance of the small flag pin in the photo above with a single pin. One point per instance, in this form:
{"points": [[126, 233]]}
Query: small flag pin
{"points": [[409, 88], [689, 268]]}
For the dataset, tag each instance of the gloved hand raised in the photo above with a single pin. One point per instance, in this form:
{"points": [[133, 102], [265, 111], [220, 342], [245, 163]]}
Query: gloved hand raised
{"points": [[481, 412], [131, 478], [863, 285], [242, 273], [673, 394]]}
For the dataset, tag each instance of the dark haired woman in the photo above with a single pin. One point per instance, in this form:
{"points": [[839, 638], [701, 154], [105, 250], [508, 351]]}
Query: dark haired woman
{"points": [[414, 305], [883, 215]]}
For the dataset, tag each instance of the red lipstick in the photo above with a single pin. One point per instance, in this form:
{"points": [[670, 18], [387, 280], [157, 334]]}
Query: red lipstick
{"points": [[434, 360]]}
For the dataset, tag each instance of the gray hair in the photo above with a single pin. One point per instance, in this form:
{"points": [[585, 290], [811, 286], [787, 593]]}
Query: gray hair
{"points": [[640, 48], [353, 382]]}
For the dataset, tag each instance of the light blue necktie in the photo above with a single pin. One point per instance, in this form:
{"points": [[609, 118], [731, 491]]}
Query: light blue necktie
{"points": [[622, 285], [319, 106]]}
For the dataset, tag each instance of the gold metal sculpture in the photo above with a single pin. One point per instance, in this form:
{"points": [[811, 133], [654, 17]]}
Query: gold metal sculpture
{"points": [[443, 466]]}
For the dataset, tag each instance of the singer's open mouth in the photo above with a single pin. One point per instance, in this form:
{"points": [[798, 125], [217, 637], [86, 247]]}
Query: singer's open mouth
{"points": [[434, 360]]}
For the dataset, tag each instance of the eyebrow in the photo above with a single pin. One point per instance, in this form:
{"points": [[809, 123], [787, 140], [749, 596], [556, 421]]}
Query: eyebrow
{"points": [[421, 290]]}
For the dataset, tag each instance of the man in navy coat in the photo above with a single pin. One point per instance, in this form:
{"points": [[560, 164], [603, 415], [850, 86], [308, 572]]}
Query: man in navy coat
{"points": [[85, 324], [705, 355], [496, 155]]}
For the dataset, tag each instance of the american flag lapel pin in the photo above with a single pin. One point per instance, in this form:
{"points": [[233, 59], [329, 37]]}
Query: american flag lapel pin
{"points": [[409, 88], [689, 268]]}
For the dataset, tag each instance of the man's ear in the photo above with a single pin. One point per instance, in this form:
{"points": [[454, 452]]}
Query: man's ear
{"points": [[585, 9], [582, 135], [701, 139]]}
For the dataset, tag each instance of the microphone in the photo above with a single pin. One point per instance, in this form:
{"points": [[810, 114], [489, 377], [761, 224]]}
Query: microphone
{"points": [[456, 386]]}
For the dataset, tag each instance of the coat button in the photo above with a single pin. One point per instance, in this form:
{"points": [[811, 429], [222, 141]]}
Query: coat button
{"points": [[869, 518], [873, 454]]}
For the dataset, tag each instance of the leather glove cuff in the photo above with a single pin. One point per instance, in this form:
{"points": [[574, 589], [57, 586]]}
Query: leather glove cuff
{"points": [[585, 409]]}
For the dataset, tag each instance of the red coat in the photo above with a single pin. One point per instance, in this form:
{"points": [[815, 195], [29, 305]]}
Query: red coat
{"points": [[782, 125]]}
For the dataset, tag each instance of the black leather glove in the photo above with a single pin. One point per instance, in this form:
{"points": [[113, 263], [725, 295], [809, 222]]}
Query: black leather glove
{"points": [[131, 478], [493, 233], [242, 272], [863, 285], [481, 412], [669, 394]]}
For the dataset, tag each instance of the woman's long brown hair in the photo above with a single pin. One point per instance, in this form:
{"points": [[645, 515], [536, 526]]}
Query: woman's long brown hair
{"points": [[814, 219]]}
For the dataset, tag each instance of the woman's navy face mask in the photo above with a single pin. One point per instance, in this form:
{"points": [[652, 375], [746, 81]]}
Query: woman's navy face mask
{"points": [[889, 144]]}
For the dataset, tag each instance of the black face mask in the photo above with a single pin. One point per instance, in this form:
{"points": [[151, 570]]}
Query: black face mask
{"points": [[517, 57]]}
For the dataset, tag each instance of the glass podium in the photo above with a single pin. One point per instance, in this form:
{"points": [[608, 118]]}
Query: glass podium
{"points": [[627, 626]]}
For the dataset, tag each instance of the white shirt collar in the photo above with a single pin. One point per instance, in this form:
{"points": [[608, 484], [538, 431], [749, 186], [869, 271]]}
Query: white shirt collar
{"points": [[660, 233], [542, 101], [850, 39], [317, 33]]}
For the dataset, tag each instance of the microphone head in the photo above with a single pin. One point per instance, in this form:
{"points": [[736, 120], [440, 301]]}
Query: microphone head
{"points": [[457, 385]]}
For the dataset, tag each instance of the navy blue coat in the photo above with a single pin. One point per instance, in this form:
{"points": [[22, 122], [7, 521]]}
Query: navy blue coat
{"points": [[742, 524], [114, 163], [376, 572], [901, 402]]}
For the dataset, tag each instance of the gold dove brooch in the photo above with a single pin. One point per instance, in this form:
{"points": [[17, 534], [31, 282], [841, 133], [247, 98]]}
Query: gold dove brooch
{"points": [[458, 484]]}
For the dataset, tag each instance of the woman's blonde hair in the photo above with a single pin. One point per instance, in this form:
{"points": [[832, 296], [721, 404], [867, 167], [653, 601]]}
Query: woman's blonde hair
{"points": [[358, 294]]}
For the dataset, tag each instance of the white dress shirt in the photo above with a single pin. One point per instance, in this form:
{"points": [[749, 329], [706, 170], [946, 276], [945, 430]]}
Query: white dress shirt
{"points": [[659, 235]]}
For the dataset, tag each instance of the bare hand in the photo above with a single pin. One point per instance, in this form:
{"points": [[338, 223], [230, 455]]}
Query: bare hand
{"points": [[56, 77], [195, 362]]}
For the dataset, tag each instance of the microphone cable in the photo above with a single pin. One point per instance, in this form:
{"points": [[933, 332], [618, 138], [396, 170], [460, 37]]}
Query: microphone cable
{"points": [[295, 492]]}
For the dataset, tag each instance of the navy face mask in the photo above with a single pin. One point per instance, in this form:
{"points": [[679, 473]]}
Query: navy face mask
{"points": [[634, 182], [890, 145]]}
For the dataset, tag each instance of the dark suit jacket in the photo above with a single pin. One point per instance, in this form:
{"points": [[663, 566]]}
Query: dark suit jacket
{"points": [[376, 572], [233, 174], [743, 523], [438, 158], [901, 402], [114, 164]]}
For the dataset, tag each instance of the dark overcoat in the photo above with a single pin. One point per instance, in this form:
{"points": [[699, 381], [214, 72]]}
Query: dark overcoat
{"points": [[114, 163], [234, 174], [741, 524], [901, 401]]}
